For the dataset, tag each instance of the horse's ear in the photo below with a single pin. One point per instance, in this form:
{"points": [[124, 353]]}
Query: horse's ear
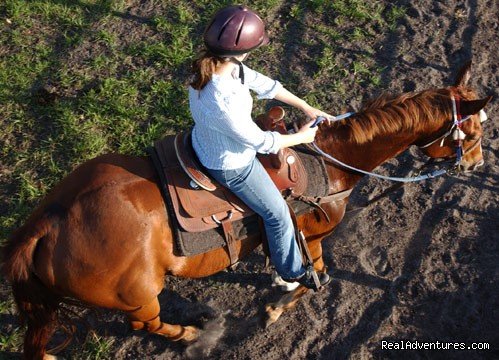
{"points": [[464, 74], [470, 107]]}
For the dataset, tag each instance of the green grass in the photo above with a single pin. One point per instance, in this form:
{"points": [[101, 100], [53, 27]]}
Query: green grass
{"points": [[393, 15], [11, 337], [95, 348], [11, 340], [7, 306]]}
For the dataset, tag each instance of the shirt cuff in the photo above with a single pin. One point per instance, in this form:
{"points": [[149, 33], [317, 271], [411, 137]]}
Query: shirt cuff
{"points": [[276, 146], [271, 93]]}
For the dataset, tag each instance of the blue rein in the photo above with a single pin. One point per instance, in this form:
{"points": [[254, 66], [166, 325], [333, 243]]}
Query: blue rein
{"points": [[430, 175]]}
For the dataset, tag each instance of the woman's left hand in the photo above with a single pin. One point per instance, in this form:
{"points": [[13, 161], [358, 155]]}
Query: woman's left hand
{"points": [[313, 113]]}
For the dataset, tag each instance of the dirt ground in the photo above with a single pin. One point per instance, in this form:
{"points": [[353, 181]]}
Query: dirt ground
{"points": [[420, 265]]}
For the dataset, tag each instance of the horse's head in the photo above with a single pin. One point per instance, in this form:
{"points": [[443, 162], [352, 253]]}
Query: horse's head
{"points": [[464, 105]]}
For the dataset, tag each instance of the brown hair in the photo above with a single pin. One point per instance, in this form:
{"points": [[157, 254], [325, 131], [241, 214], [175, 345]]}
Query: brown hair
{"points": [[204, 66]]}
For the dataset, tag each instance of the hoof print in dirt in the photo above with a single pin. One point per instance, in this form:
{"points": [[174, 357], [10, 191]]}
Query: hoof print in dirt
{"points": [[438, 279], [375, 261]]}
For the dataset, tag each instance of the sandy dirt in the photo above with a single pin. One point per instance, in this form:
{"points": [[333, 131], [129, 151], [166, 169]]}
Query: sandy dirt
{"points": [[420, 265]]}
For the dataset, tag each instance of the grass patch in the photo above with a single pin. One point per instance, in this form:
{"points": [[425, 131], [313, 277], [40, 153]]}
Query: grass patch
{"points": [[7, 306], [12, 340], [95, 348]]}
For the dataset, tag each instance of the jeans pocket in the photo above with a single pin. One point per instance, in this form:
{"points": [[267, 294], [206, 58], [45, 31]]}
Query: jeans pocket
{"points": [[232, 175]]}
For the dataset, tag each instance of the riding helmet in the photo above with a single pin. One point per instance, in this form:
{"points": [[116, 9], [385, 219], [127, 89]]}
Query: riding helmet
{"points": [[235, 30]]}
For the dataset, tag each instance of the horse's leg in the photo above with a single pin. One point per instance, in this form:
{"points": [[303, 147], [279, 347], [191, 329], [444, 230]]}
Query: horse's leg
{"points": [[147, 318], [288, 301], [316, 252]]}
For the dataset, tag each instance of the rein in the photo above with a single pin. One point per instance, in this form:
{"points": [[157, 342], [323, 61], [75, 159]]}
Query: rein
{"points": [[430, 175], [455, 131]]}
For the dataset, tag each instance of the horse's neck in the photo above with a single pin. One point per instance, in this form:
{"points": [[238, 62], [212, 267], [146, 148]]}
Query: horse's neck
{"points": [[366, 155]]}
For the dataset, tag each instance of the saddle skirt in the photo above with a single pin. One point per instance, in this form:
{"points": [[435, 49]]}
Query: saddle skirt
{"points": [[199, 202]]}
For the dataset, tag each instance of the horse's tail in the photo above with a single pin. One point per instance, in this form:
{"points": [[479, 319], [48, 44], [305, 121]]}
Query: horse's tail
{"points": [[37, 305]]}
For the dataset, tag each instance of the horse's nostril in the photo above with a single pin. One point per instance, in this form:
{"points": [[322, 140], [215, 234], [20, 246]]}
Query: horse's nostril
{"points": [[476, 165]]}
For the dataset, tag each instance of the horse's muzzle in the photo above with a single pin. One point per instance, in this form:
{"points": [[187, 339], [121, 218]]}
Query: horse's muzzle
{"points": [[465, 167]]}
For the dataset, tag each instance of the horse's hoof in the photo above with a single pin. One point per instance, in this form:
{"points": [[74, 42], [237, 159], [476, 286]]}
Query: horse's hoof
{"points": [[191, 333], [273, 314]]}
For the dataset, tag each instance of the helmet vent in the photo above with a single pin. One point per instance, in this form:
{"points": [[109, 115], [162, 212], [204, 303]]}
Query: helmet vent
{"points": [[239, 31], [224, 26]]}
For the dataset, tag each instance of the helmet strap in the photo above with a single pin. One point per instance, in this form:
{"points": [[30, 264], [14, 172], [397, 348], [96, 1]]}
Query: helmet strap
{"points": [[241, 71]]}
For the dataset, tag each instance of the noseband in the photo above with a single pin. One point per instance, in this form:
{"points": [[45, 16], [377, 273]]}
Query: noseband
{"points": [[455, 130]]}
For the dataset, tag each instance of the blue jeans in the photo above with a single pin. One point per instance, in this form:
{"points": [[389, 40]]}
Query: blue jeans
{"points": [[254, 186]]}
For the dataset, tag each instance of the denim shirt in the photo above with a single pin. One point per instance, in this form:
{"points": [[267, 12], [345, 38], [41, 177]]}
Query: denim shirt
{"points": [[224, 135]]}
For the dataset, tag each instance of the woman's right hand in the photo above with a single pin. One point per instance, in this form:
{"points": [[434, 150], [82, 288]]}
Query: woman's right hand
{"points": [[307, 133]]}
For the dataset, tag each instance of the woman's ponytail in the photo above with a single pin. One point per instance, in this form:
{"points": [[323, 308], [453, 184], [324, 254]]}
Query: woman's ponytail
{"points": [[203, 68]]}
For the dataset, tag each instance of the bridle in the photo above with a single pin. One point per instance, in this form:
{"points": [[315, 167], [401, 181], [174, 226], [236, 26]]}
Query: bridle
{"points": [[455, 131]]}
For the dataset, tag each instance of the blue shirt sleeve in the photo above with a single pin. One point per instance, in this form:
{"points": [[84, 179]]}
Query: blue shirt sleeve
{"points": [[265, 87]]}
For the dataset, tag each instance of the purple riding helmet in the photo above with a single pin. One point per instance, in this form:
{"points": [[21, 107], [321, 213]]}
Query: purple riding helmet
{"points": [[235, 30]]}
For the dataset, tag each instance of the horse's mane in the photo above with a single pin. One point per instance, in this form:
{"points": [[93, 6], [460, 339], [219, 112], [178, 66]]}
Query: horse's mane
{"points": [[388, 114]]}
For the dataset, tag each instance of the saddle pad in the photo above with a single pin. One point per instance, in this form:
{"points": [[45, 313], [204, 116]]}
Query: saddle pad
{"points": [[194, 243]]}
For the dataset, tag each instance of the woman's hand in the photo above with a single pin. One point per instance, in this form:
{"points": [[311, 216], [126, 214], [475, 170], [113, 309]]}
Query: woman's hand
{"points": [[307, 133], [313, 113]]}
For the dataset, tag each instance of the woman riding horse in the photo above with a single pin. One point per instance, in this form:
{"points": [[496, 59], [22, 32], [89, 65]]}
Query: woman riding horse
{"points": [[226, 139], [101, 235]]}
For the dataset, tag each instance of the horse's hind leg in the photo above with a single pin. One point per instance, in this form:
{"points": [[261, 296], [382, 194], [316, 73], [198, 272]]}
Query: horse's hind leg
{"points": [[147, 318]]}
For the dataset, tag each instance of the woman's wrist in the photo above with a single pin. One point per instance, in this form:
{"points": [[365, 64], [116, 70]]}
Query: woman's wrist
{"points": [[299, 137], [292, 139]]}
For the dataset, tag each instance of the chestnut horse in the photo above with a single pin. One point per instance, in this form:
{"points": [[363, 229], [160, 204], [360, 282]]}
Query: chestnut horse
{"points": [[101, 235]]}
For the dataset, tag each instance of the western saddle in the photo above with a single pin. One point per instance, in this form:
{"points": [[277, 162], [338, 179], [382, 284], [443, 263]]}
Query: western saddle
{"points": [[198, 202]]}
